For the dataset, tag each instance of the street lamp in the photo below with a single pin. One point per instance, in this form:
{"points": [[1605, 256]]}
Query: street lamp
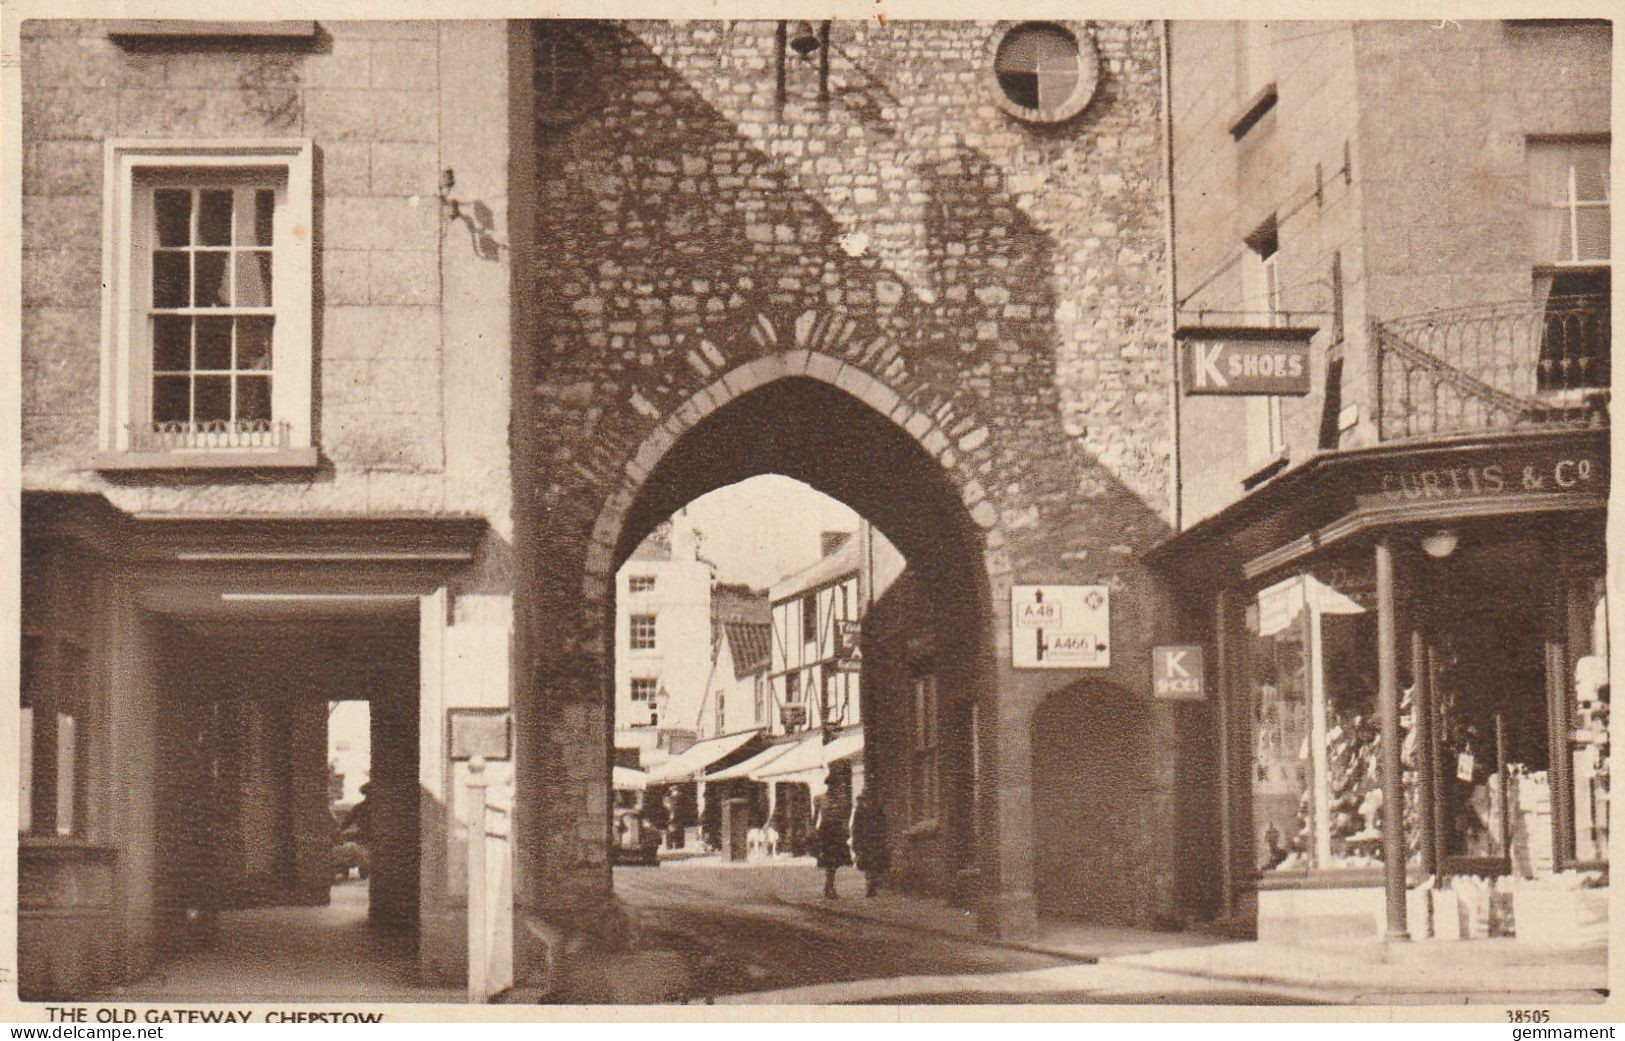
{"points": [[1441, 543]]}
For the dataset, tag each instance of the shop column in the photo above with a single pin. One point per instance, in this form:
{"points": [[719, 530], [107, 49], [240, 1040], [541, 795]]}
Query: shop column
{"points": [[1393, 795]]}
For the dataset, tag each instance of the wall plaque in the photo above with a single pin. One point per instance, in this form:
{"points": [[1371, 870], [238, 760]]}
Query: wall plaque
{"points": [[484, 732]]}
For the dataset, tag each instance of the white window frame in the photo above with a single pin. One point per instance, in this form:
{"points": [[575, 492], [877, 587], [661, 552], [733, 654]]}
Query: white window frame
{"points": [[126, 352], [651, 701], [640, 583], [634, 636], [1571, 205]]}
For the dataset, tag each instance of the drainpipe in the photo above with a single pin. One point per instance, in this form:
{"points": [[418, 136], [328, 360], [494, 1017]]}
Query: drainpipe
{"points": [[1176, 489]]}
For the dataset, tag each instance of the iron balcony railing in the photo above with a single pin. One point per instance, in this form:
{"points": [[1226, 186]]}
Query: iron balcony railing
{"points": [[1493, 367], [216, 434]]}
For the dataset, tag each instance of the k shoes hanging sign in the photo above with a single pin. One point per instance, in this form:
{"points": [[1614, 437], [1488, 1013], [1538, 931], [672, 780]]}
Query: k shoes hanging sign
{"points": [[1245, 359]]}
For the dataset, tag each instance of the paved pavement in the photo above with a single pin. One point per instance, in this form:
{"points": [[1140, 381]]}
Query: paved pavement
{"points": [[763, 934], [1493, 971], [297, 954]]}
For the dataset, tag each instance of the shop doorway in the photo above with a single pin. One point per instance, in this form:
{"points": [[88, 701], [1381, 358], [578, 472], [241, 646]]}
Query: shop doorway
{"points": [[1515, 660], [1490, 695]]}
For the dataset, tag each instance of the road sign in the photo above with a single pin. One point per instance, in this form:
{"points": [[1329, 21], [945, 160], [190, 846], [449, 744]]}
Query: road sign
{"points": [[848, 655], [1246, 360], [1060, 627], [1176, 673]]}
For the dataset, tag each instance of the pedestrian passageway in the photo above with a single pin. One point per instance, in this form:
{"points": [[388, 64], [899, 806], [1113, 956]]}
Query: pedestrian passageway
{"points": [[295, 954]]}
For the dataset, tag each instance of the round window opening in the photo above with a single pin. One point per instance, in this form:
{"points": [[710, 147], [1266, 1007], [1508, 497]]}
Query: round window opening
{"points": [[1045, 72]]}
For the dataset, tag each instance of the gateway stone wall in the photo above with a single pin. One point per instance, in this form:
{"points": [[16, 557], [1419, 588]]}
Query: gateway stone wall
{"points": [[996, 288]]}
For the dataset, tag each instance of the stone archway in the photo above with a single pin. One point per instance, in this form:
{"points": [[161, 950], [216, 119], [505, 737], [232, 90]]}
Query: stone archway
{"points": [[825, 431], [847, 413], [812, 366]]}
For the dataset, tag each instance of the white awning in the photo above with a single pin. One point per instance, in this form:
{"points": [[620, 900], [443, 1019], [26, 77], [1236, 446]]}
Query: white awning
{"points": [[628, 779], [811, 757], [806, 754], [845, 747], [687, 766], [753, 766]]}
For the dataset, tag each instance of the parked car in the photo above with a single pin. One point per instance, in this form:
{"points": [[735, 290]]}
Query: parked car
{"points": [[635, 841]]}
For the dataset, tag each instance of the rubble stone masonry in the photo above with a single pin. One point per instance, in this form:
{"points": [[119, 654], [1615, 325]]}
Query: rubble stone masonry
{"points": [[997, 289]]}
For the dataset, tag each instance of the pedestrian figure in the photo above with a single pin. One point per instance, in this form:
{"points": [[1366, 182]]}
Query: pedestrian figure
{"points": [[674, 819], [830, 840], [869, 841]]}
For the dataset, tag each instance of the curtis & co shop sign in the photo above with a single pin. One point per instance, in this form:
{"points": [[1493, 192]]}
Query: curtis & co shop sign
{"points": [[1536, 470]]}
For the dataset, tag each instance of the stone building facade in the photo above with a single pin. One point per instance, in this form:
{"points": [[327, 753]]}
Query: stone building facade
{"points": [[1431, 201], [951, 319], [199, 581], [1418, 142], [562, 278]]}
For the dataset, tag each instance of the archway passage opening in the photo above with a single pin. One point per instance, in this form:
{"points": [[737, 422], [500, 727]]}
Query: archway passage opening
{"points": [[287, 818], [800, 629]]}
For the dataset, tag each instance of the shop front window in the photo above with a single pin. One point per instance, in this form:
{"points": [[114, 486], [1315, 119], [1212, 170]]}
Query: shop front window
{"points": [[1282, 771], [1589, 730], [1317, 791]]}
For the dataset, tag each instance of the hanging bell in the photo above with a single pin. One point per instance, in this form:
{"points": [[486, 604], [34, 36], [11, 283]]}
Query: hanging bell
{"points": [[804, 40]]}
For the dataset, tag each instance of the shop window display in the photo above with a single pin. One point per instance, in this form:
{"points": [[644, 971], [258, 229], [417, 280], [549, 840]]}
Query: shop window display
{"points": [[1317, 791], [1282, 771], [1509, 661], [1589, 732]]}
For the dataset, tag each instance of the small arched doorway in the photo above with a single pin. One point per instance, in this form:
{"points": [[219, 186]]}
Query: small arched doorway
{"points": [[1092, 794]]}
